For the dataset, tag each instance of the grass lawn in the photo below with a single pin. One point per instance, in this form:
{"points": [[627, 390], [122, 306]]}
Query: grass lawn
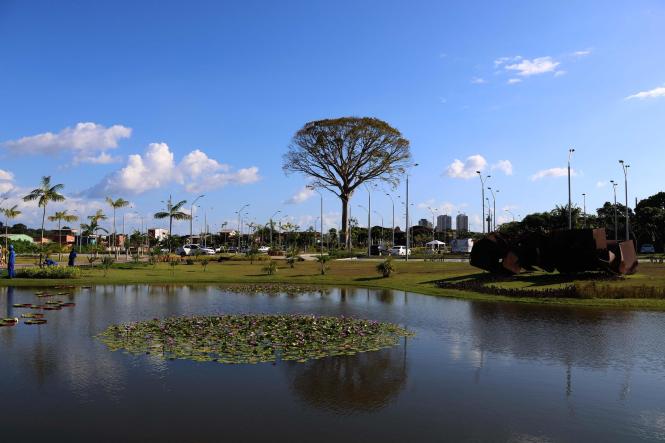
{"points": [[417, 277]]}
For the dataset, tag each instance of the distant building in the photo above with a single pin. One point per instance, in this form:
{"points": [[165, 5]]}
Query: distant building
{"points": [[158, 233], [425, 223], [462, 223], [444, 223]]}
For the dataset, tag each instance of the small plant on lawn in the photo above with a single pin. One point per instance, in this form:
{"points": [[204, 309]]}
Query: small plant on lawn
{"points": [[252, 254], [323, 259], [270, 268], [204, 263], [152, 260], [386, 268], [292, 257], [92, 259], [135, 259], [173, 262], [107, 262]]}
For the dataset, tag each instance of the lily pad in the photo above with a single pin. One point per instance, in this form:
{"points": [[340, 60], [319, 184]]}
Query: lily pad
{"points": [[252, 338], [35, 321]]}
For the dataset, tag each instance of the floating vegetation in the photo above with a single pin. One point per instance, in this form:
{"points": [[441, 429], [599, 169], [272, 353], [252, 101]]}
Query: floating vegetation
{"points": [[52, 305], [8, 321], [270, 288], [32, 315], [35, 321], [252, 338]]}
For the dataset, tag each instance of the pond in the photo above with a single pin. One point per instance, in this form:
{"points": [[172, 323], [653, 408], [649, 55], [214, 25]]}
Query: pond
{"points": [[473, 372]]}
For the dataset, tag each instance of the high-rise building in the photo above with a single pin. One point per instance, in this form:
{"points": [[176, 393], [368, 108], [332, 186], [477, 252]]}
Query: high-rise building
{"points": [[425, 223], [462, 223], [444, 223]]}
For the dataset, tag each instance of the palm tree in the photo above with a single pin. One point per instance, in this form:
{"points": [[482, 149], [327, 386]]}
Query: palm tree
{"points": [[173, 212], [116, 204], [44, 194], [61, 216], [9, 213], [92, 227]]}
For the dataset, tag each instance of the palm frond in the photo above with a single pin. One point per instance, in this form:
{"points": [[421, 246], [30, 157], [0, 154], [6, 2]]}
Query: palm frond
{"points": [[161, 214], [178, 206], [180, 216]]}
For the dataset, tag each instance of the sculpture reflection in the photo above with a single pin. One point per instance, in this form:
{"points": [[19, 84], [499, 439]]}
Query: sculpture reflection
{"points": [[350, 384]]}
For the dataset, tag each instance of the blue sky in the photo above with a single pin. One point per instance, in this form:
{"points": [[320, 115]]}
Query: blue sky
{"points": [[146, 99]]}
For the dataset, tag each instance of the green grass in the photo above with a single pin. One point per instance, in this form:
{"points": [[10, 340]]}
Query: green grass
{"points": [[417, 277]]}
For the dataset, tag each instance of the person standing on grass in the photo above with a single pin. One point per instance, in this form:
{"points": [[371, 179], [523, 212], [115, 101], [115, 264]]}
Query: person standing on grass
{"points": [[72, 258], [11, 261]]}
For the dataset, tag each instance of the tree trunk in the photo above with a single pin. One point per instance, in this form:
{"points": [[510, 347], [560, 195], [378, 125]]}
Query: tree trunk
{"points": [[345, 220]]}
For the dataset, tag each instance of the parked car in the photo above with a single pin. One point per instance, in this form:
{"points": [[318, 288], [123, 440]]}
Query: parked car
{"points": [[264, 249], [399, 250], [647, 249], [232, 249], [192, 249]]}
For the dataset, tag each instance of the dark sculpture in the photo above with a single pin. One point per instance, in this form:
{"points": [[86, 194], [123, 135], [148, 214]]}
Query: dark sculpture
{"points": [[566, 251]]}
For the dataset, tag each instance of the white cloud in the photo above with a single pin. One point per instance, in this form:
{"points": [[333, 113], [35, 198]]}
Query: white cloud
{"points": [[559, 73], [478, 80], [536, 66], [582, 53], [652, 93], [439, 208], [552, 172], [84, 141], [6, 175], [504, 166], [301, 196], [102, 158], [601, 184], [513, 81], [157, 168], [468, 168]]}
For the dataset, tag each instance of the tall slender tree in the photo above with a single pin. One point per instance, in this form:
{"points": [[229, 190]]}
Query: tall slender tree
{"points": [[44, 194], [9, 213], [61, 216], [173, 212], [341, 154], [92, 227], [116, 204]]}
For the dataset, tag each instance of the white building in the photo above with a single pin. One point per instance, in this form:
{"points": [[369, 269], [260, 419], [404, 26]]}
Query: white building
{"points": [[158, 233]]}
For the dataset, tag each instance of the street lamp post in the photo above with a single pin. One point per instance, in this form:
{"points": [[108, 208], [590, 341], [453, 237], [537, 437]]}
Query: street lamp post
{"points": [[625, 167], [191, 213], [433, 214], [616, 217], [271, 217], [393, 205], [369, 221], [482, 191], [381, 217], [492, 191], [584, 207], [511, 214], [570, 204], [321, 240], [368, 227], [239, 212], [489, 215], [408, 242]]}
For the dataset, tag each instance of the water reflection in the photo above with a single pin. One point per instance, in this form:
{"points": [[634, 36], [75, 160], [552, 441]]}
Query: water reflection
{"points": [[359, 383]]}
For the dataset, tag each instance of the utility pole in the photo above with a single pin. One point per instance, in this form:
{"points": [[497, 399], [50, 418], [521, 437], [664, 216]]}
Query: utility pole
{"points": [[570, 204], [482, 193], [616, 216], [625, 167], [584, 208]]}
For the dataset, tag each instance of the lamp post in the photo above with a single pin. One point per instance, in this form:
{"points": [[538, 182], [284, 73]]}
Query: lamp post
{"points": [[489, 215], [393, 205], [271, 217], [616, 217], [369, 221], [368, 228], [408, 242], [239, 211], [494, 210], [381, 217], [482, 191], [584, 208], [433, 213], [570, 204], [191, 213], [321, 244], [511, 214], [625, 167]]}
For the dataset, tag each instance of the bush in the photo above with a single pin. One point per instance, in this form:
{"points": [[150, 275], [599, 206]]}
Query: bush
{"points": [[386, 268], [107, 262], [189, 261], [204, 263], [323, 259], [270, 268], [48, 272]]}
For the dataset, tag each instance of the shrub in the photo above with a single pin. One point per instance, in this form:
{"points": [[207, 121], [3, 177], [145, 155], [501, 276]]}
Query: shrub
{"points": [[270, 268], [107, 262], [386, 268], [204, 263], [189, 261], [92, 259], [173, 262], [323, 259], [48, 272]]}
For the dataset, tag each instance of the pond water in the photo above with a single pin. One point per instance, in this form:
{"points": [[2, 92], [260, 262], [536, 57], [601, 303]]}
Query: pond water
{"points": [[473, 372]]}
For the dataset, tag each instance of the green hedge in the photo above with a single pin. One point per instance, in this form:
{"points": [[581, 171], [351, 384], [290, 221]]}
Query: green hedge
{"points": [[48, 272]]}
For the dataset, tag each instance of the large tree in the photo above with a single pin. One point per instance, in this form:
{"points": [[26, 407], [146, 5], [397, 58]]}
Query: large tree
{"points": [[341, 154], [44, 194]]}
